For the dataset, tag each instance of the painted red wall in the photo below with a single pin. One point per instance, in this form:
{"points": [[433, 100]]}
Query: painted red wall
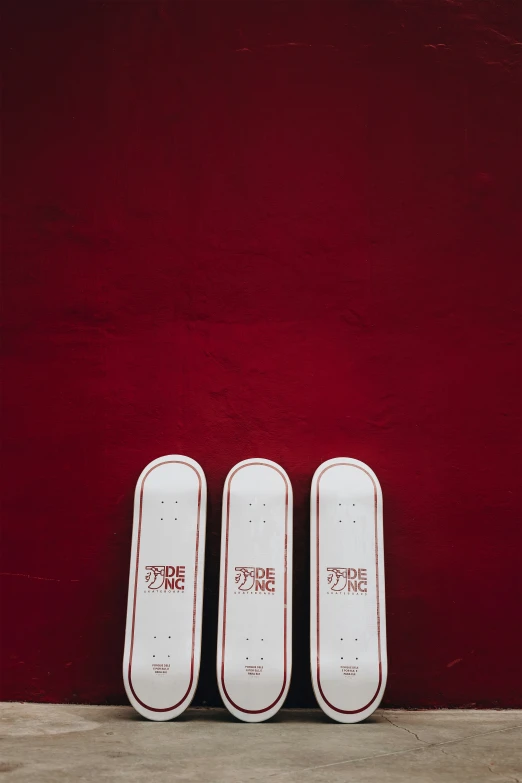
{"points": [[286, 230]]}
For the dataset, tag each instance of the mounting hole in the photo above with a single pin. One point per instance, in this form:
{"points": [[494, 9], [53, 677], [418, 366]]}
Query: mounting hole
{"points": [[170, 637], [356, 659], [153, 656], [262, 659]]}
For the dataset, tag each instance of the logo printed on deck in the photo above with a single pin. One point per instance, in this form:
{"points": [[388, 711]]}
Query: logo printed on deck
{"points": [[167, 577], [251, 579], [347, 580]]}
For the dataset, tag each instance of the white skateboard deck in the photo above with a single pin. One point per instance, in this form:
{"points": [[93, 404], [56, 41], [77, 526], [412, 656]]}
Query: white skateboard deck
{"points": [[163, 632], [254, 655], [348, 619]]}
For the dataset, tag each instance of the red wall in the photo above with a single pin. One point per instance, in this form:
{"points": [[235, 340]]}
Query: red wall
{"points": [[286, 230]]}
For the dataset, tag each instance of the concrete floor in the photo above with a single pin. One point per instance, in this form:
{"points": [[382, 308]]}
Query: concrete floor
{"points": [[57, 743]]}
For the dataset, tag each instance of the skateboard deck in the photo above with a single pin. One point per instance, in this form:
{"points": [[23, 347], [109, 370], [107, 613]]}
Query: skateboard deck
{"points": [[348, 620], [163, 632], [254, 655]]}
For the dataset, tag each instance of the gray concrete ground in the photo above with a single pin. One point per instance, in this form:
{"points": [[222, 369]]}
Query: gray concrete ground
{"points": [[58, 743]]}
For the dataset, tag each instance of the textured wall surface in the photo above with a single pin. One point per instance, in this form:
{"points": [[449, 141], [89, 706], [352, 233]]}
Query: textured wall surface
{"points": [[287, 230]]}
